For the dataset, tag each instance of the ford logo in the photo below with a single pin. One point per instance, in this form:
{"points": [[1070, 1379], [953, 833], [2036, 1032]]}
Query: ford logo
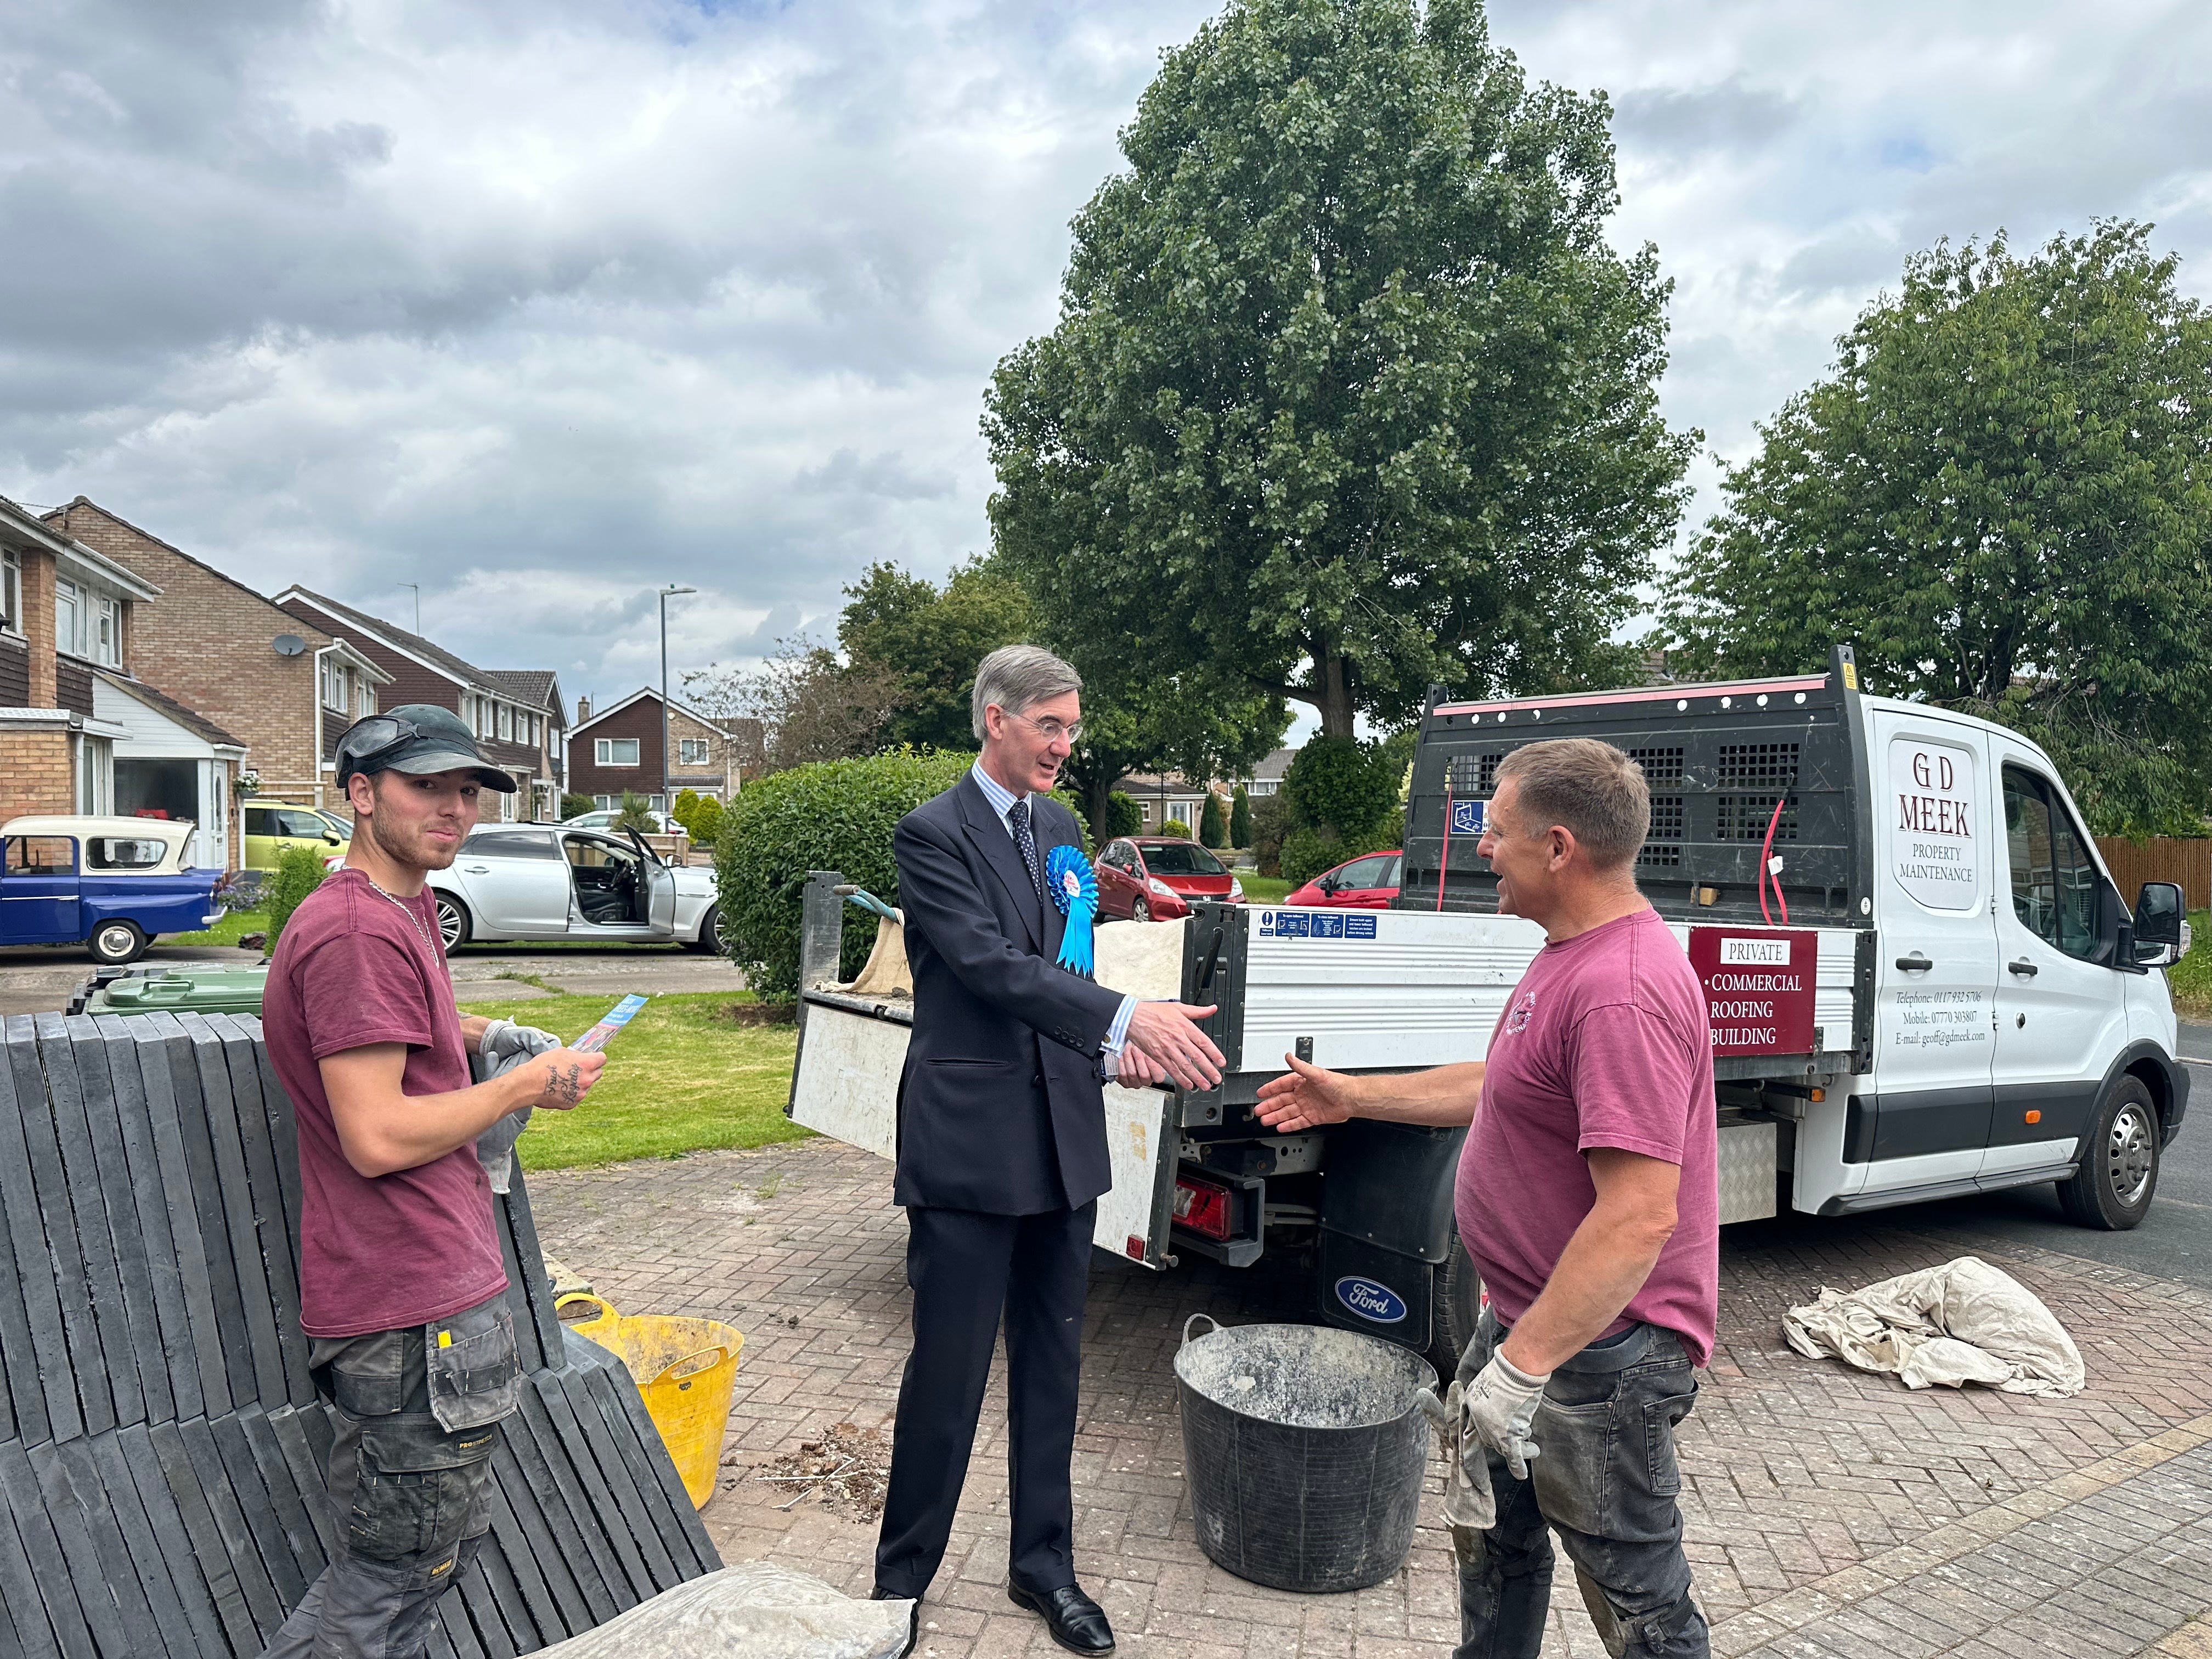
{"points": [[1370, 1300]]}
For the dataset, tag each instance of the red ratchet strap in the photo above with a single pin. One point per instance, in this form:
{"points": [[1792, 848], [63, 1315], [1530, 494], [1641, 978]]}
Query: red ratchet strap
{"points": [[1765, 852]]}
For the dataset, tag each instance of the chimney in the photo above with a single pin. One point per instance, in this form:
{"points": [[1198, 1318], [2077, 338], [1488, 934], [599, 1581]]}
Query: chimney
{"points": [[583, 709]]}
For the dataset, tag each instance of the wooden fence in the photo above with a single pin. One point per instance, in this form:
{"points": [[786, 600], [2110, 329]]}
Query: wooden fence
{"points": [[2162, 858]]}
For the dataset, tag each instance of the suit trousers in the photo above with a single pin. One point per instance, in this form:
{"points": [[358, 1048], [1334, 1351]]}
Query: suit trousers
{"points": [[966, 1268]]}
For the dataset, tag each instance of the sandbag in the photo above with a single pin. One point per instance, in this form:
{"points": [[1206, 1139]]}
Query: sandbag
{"points": [[759, 1611], [1965, 1322]]}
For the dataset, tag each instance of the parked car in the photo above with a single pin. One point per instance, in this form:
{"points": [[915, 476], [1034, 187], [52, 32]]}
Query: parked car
{"points": [[604, 819], [112, 884], [273, 825], [1147, 876], [1368, 882], [558, 881]]}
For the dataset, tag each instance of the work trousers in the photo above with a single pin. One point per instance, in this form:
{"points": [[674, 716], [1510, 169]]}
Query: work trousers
{"points": [[417, 1417], [966, 1269], [1606, 1480]]}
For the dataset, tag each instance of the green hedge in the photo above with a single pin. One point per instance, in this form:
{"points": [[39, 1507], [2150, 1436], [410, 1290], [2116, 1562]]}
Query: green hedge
{"points": [[1213, 822], [1240, 819], [1122, 817], [832, 814], [299, 871]]}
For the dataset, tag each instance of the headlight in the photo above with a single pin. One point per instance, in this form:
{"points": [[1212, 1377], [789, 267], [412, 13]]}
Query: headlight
{"points": [[1161, 887], [1236, 888]]}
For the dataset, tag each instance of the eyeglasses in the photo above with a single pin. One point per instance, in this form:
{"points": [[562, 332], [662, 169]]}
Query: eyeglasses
{"points": [[370, 738], [1050, 730]]}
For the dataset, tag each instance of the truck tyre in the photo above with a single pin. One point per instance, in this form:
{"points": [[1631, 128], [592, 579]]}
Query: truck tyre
{"points": [[1456, 1303], [2118, 1173], [452, 921], [114, 943]]}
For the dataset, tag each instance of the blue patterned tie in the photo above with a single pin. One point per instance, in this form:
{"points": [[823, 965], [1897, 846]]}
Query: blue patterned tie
{"points": [[1018, 816]]}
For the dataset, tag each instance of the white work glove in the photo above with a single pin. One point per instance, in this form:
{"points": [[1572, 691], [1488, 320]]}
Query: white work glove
{"points": [[1500, 1409], [504, 1046]]}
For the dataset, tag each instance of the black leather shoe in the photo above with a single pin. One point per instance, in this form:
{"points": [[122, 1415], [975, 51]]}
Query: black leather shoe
{"points": [[1077, 1623], [912, 1619]]}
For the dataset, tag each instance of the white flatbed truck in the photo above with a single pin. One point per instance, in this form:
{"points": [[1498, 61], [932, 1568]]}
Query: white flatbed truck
{"points": [[1923, 984]]}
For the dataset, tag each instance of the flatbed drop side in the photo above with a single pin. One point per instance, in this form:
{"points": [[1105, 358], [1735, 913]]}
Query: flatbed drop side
{"points": [[1859, 1061]]}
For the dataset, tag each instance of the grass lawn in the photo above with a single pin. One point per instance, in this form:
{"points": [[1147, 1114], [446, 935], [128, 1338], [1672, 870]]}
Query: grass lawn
{"points": [[1265, 890], [2191, 978], [226, 930], [681, 1077]]}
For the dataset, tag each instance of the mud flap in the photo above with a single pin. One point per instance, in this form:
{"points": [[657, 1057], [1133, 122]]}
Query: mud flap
{"points": [[1382, 1292]]}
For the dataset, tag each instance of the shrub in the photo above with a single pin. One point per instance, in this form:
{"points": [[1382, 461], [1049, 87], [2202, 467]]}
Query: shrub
{"points": [[635, 813], [828, 815], [573, 805], [1344, 785], [705, 823], [1270, 823], [299, 872], [1122, 817], [1212, 822], [1307, 852], [1177, 828], [1240, 818]]}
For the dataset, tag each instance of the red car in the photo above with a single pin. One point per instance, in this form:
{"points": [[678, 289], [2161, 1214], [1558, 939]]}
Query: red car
{"points": [[1148, 877], [1368, 882]]}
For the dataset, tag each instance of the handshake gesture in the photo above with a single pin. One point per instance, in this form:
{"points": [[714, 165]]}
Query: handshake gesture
{"points": [[1163, 1044]]}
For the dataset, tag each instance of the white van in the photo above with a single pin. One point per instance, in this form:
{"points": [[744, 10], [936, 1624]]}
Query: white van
{"points": [[1921, 983]]}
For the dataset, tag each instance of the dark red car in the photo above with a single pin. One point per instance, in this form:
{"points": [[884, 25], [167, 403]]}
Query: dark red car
{"points": [[1155, 877], [1368, 882]]}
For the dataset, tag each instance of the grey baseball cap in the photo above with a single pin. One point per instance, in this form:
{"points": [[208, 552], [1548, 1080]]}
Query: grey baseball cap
{"points": [[416, 738]]}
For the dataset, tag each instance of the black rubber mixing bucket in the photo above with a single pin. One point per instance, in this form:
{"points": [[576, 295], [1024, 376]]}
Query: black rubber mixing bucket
{"points": [[1305, 1448]]}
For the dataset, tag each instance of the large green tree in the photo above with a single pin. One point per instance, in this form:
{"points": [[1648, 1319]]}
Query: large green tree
{"points": [[1200, 724], [2000, 496], [1349, 392], [927, 641]]}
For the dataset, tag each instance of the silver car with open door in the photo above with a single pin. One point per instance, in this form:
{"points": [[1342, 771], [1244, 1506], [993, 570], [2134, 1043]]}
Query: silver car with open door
{"points": [[529, 881]]}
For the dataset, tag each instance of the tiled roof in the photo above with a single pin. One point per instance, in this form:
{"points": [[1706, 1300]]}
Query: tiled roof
{"points": [[535, 686], [414, 643]]}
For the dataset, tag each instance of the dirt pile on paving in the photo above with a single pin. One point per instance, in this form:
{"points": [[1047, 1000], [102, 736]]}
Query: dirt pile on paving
{"points": [[845, 1469]]}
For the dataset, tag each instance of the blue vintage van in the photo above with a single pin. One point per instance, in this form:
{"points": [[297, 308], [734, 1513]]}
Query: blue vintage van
{"points": [[110, 884]]}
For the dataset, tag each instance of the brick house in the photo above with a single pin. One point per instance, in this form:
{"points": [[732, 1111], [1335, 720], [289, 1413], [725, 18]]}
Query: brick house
{"points": [[617, 748], [515, 713], [280, 687]]}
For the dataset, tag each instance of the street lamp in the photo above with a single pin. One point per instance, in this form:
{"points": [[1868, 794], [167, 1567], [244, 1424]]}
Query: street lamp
{"points": [[665, 797]]}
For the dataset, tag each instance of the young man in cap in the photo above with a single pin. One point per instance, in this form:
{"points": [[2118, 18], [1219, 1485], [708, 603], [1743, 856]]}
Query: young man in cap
{"points": [[402, 1289]]}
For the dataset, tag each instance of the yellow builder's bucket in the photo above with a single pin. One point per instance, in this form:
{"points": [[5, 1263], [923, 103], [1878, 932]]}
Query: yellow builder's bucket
{"points": [[685, 1368]]}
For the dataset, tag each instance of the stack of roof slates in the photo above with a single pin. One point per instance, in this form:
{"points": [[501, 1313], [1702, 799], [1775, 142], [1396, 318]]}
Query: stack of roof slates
{"points": [[162, 1446]]}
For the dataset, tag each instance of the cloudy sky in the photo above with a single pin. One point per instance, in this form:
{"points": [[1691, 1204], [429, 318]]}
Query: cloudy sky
{"points": [[538, 303]]}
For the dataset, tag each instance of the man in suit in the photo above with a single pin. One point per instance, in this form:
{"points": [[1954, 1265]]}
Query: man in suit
{"points": [[1002, 1143]]}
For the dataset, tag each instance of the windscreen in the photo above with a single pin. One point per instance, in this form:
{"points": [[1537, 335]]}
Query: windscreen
{"points": [[1182, 857]]}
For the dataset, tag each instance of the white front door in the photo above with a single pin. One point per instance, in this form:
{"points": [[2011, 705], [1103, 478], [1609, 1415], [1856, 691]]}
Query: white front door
{"points": [[2061, 1005], [1937, 841]]}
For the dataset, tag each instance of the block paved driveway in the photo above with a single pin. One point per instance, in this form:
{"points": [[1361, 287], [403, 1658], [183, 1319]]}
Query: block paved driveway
{"points": [[1830, 1515]]}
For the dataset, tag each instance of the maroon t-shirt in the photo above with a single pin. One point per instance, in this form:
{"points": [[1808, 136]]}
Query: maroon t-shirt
{"points": [[1605, 1043], [376, 1254]]}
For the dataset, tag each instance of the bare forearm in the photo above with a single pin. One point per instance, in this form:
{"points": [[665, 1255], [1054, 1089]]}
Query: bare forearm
{"points": [[473, 1027], [1443, 1096], [1603, 1267]]}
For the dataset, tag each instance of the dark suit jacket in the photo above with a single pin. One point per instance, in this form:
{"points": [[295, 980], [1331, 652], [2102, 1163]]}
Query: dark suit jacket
{"points": [[999, 1106]]}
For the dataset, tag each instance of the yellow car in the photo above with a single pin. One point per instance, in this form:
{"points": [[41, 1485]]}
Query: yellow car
{"points": [[272, 826]]}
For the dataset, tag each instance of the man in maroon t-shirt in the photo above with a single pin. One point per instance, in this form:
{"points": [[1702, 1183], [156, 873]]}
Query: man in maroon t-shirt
{"points": [[1589, 1198], [402, 1289]]}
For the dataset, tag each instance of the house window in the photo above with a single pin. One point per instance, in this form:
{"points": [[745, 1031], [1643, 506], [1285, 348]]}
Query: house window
{"points": [[367, 701], [616, 752], [692, 752], [11, 593], [606, 803], [108, 631], [506, 724], [69, 618], [334, 694]]}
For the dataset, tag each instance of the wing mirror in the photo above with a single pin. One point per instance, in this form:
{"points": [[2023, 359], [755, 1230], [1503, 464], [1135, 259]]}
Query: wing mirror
{"points": [[2161, 932]]}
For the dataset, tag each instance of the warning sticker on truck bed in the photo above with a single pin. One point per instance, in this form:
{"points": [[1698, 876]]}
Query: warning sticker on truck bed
{"points": [[1315, 924]]}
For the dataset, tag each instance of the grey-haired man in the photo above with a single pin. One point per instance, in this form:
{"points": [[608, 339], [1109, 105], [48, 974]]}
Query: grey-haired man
{"points": [[1002, 1143]]}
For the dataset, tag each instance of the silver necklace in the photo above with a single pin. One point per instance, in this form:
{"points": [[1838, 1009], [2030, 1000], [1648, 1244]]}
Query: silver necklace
{"points": [[406, 909]]}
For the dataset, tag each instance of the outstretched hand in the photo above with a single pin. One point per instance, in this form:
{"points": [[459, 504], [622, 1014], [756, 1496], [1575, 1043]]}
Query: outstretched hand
{"points": [[1304, 1097], [563, 1077], [1164, 1036]]}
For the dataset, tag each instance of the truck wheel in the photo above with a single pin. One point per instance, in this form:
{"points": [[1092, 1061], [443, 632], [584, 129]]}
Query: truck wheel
{"points": [[2118, 1174], [452, 921], [1456, 1303], [114, 943]]}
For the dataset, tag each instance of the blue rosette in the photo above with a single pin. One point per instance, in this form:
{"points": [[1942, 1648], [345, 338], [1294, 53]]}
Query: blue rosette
{"points": [[1074, 889]]}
